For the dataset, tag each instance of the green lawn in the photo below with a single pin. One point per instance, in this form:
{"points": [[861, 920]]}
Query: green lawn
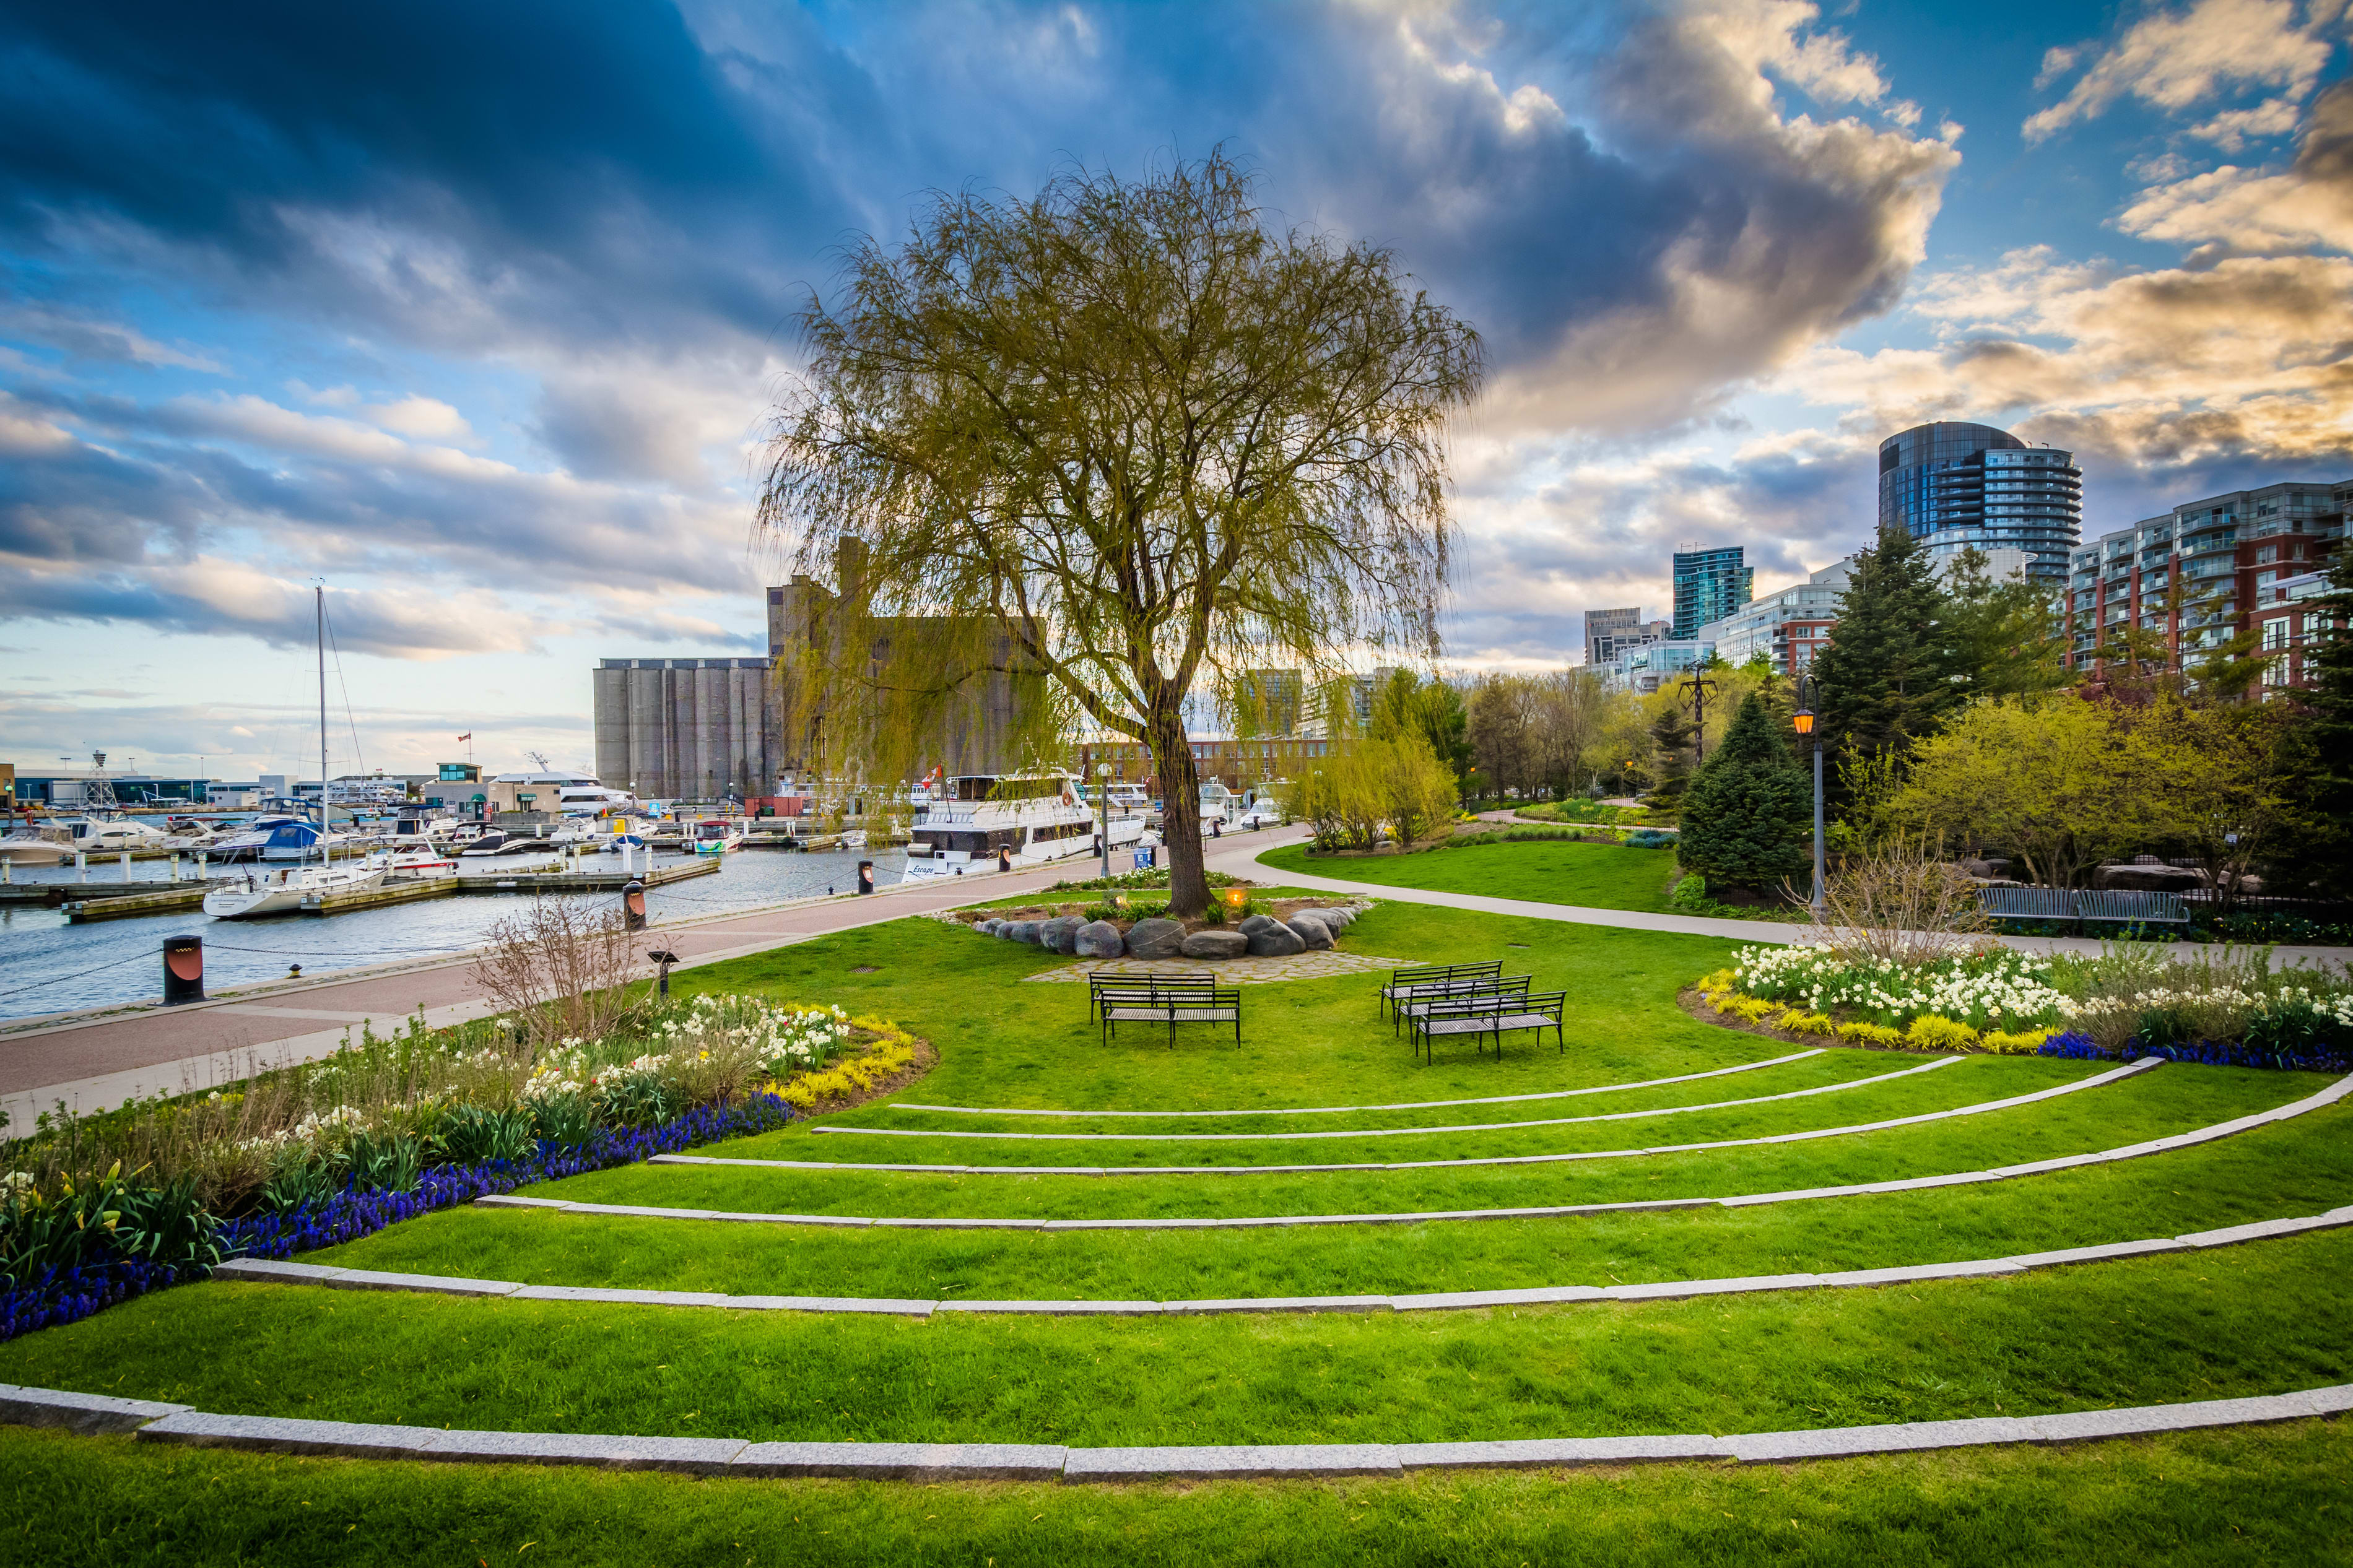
{"points": [[1595, 876], [2259, 1495], [2262, 1318]]}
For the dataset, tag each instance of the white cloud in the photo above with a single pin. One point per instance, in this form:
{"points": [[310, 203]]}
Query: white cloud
{"points": [[2173, 59], [424, 418]]}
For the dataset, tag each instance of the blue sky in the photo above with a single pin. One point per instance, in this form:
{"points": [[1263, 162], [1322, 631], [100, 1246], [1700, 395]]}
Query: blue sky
{"points": [[474, 311]]}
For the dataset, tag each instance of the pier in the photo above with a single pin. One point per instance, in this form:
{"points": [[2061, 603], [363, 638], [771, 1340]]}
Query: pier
{"points": [[125, 901], [592, 881]]}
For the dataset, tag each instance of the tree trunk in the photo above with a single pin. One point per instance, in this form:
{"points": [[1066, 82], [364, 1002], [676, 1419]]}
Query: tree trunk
{"points": [[1180, 811]]}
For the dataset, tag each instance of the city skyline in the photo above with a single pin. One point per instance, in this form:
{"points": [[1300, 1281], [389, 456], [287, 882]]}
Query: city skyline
{"points": [[474, 315]]}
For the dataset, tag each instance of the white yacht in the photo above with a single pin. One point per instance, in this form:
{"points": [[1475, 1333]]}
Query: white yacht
{"points": [[413, 863], [282, 892], [970, 824], [716, 836]]}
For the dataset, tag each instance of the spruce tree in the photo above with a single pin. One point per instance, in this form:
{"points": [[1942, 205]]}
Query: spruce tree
{"points": [[1673, 736], [1748, 815], [1886, 677]]}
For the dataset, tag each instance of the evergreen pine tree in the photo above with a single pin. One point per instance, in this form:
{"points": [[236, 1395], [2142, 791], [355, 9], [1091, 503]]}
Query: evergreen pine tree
{"points": [[1886, 677], [1673, 736], [1748, 815]]}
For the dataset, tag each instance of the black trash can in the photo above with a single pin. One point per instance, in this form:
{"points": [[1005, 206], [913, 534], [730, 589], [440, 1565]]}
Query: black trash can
{"points": [[633, 905], [184, 970], [866, 876]]}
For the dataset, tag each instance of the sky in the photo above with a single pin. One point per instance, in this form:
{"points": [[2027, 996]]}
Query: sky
{"points": [[474, 313]]}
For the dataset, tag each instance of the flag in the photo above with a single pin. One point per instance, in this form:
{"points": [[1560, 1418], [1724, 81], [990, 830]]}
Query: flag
{"points": [[466, 736]]}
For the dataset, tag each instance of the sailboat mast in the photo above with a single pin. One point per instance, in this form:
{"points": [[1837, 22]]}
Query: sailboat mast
{"points": [[321, 598]]}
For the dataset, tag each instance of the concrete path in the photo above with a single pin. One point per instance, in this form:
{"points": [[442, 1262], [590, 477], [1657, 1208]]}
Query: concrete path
{"points": [[90, 1061], [1243, 863]]}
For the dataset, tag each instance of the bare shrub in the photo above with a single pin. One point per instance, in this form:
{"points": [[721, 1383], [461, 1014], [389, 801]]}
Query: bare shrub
{"points": [[558, 970], [1897, 900]]}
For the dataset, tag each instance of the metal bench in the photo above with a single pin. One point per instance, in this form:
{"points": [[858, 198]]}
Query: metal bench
{"points": [[1487, 986], [1438, 980], [2132, 908], [1171, 1000], [2027, 903], [2066, 904], [1495, 1014]]}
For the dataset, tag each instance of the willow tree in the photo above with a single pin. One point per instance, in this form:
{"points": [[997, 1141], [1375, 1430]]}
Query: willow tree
{"points": [[1122, 442]]}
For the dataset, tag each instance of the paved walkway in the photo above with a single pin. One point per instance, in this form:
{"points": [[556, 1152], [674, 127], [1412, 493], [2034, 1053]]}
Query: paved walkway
{"points": [[91, 1061]]}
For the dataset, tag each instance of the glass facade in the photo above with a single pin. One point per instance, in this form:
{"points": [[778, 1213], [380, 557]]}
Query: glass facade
{"points": [[1957, 487], [1709, 585]]}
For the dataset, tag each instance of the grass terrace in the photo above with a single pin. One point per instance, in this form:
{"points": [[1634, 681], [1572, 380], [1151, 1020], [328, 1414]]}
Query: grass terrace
{"points": [[1545, 871], [1323, 1080]]}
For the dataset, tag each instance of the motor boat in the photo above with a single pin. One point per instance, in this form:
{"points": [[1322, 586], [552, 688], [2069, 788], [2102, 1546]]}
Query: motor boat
{"points": [[413, 863], [498, 843], [1261, 813], [35, 847], [854, 838], [620, 841], [717, 836], [971, 824], [282, 892]]}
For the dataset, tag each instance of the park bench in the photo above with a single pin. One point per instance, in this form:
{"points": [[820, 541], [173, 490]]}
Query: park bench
{"points": [[1438, 980], [1166, 999], [1487, 985], [2132, 908], [2065, 904], [1495, 1013]]}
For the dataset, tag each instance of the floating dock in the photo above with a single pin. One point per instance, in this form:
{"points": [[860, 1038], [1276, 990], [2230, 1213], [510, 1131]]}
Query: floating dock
{"points": [[124, 902], [376, 897], [591, 881]]}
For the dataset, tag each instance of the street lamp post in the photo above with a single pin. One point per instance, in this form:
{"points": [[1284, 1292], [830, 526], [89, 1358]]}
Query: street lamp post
{"points": [[1103, 812], [1810, 693]]}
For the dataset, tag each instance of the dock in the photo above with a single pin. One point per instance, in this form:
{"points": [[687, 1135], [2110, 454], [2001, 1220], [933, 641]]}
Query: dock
{"points": [[376, 897], [593, 881], [117, 904]]}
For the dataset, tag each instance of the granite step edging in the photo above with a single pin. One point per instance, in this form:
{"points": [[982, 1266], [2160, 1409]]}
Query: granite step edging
{"points": [[264, 1271], [2009, 1103], [933, 1462], [841, 1130], [1352, 1109]]}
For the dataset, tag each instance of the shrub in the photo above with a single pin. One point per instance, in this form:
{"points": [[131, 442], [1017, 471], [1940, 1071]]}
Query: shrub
{"points": [[2025, 1043], [1930, 1033], [1870, 1035], [1802, 1023], [1752, 1008]]}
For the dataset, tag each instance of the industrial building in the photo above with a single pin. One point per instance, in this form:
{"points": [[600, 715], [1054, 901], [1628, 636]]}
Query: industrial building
{"points": [[707, 729]]}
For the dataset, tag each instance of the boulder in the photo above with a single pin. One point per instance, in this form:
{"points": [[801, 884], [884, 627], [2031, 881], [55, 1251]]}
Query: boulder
{"points": [[1213, 944], [1156, 938], [1060, 935], [1270, 937], [987, 927], [1022, 930], [2149, 878], [1314, 932], [1097, 939]]}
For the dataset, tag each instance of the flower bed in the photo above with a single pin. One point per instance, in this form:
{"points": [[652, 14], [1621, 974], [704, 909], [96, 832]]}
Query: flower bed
{"points": [[387, 1129], [2131, 1001]]}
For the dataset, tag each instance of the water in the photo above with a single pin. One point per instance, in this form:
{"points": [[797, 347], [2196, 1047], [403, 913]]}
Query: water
{"points": [[49, 966]]}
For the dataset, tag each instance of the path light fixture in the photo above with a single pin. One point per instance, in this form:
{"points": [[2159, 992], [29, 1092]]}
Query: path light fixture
{"points": [[665, 958], [1236, 898], [1808, 693]]}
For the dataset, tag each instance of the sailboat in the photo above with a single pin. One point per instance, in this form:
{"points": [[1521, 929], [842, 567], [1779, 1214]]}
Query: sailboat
{"points": [[282, 893]]}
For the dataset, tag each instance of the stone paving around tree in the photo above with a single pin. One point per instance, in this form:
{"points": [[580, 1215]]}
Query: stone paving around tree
{"points": [[1232, 970]]}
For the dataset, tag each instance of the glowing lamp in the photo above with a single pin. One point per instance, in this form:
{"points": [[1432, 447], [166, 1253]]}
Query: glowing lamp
{"points": [[1236, 898], [1804, 719]]}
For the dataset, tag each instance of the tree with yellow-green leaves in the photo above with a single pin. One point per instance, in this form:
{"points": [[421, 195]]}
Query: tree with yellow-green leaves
{"points": [[1124, 440], [2214, 785], [2049, 780]]}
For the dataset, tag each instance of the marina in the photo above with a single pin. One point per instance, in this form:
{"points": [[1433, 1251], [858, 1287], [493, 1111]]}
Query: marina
{"points": [[53, 964]]}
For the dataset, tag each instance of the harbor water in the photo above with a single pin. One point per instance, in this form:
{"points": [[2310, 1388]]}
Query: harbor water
{"points": [[49, 966]]}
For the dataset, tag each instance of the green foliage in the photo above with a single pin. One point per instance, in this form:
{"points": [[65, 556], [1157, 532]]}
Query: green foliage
{"points": [[1748, 818], [1427, 706], [1672, 737], [1392, 784], [1887, 677], [99, 1220], [2004, 639], [2316, 758]]}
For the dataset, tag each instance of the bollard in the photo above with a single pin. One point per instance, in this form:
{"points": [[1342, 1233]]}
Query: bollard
{"points": [[176, 865], [126, 865], [633, 905], [81, 866], [184, 970], [204, 865], [866, 876]]}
